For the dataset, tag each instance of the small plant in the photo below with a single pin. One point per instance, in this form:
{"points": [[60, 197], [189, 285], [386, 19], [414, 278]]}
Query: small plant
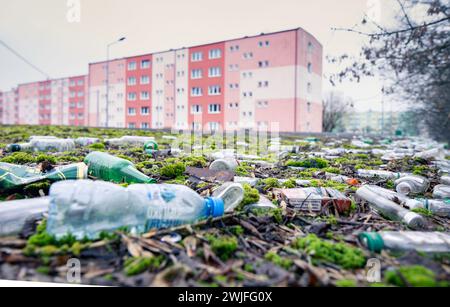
{"points": [[138, 265], [173, 171], [97, 146], [19, 158], [271, 183], [278, 260], [251, 196], [309, 163], [416, 276], [224, 246]]}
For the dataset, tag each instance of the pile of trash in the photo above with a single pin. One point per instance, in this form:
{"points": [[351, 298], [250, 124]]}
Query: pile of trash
{"points": [[137, 210]]}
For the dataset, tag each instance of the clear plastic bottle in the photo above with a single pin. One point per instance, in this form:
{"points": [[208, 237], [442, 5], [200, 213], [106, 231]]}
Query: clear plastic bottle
{"points": [[428, 242], [231, 193], [437, 207], [227, 164], [129, 140], [59, 145], [441, 191], [85, 141], [412, 184], [390, 209], [86, 208], [368, 173], [445, 180], [14, 213]]}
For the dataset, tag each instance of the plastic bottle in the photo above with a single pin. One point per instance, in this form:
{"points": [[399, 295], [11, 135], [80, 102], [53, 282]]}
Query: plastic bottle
{"points": [[441, 191], [367, 173], [109, 168], [14, 213], [43, 144], [231, 193], [445, 180], [85, 141], [13, 176], [85, 208], [437, 207], [428, 242], [411, 184], [129, 140], [227, 164], [390, 209], [150, 147]]}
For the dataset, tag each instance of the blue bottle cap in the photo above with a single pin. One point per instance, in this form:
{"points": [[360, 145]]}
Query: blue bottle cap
{"points": [[215, 206]]}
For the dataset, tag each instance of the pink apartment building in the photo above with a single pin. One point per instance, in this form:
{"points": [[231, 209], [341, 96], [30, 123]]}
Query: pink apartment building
{"points": [[268, 81]]}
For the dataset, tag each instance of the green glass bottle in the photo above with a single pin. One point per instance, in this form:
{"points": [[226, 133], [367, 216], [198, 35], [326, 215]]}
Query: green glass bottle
{"points": [[14, 176], [109, 168]]}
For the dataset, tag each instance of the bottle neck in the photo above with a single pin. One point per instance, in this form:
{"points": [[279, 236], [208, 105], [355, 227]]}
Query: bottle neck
{"points": [[214, 207], [132, 175]]}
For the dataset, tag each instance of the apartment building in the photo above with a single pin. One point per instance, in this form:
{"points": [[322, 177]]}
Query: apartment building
{"points": [[267, 81]]}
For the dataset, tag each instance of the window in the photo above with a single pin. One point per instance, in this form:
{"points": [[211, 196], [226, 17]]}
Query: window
{"points": [[214, 108], [132, 96], [80, 94], [263, 104], [196, 91], [145, 64], [196, 74], [263, 64], [80, 115], [213, 126], [196, 56], [131, 111], [144, 125], [80, 82], [247, 94], [215, 53], [309, 68], [132, 66], [308, 107], [145, 95], [214, 72], [145, 79], [131, 81], [72, 83], [248, 55], [214, 90], [263, 83], [310, 47], [72, 94], [145, 110], [234, 48], [309, 88], [131, 125], [196, 109]]}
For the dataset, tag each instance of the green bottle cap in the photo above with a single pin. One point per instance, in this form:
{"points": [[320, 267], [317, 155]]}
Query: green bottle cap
{"points": [[150, 146], [372, 240]]}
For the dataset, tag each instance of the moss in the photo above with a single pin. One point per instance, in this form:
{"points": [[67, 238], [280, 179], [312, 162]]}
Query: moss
{"points": [[339, 253], [421, 170], [248, 267], [46, 158], [278, 260], [290, 184], [416, 276], [362, 166], [270, 183], [275, 213], [137, 265], [45, 270], [237, 230], [34, 188], [329, 184], [331, 220], [19, 158], [224, 246], [243, 170], [390, 184], [423, 211], [97, 146], [309, 163], [251, 196], [333, 170], [173, 170], [346, 283]]}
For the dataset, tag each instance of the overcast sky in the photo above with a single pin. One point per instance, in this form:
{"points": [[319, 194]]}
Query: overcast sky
{"points": [[41, 32]]}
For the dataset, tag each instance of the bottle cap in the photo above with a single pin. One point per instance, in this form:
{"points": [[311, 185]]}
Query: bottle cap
{"points": [[13, 147], [372, 240], [215, 206]]}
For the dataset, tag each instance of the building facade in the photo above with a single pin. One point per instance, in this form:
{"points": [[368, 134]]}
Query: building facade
{"points": [[269, 81]]}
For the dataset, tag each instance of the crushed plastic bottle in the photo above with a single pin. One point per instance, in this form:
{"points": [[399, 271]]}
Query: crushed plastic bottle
{"points": [[411, 184], [85, 208], [435, 153], [129, 140], [441, 191], [106, 167], [13, 176], [227, 164], [427, 242], [390, 209], [15, 213], [435, 206]]}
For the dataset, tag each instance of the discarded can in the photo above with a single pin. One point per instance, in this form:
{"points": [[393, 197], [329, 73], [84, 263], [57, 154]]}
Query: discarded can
{"points": [[411, 184], [13, 176], [109, 168], [441, 191], [390, 209], [427, 242], [314, 199]]}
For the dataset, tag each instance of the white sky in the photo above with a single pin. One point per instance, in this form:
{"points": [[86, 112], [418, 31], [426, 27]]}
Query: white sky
{"points": [[39, 30]]}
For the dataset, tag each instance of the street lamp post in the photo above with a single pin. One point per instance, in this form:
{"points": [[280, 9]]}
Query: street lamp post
{"points": [[107, 77]]}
